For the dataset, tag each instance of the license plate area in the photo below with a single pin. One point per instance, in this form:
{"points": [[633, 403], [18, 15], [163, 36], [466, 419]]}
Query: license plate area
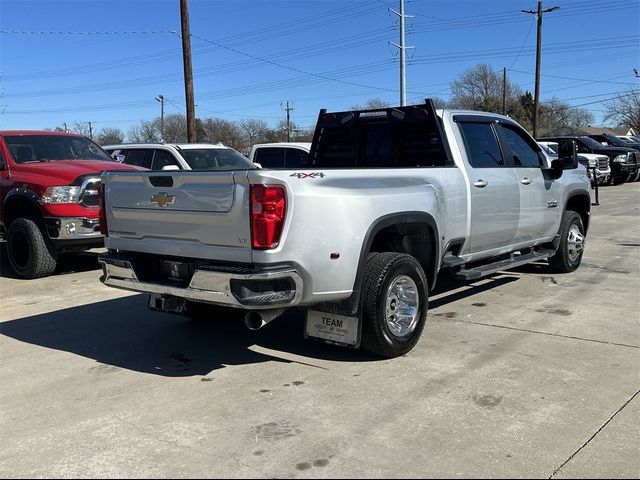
{"points": [[332, 328]]}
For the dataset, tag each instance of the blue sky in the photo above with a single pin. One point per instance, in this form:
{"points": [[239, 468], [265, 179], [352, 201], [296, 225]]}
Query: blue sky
{"points": [[106, 61]]}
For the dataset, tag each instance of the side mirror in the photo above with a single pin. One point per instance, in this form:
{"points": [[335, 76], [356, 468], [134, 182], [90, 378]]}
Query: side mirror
{"points": [[171, 167], [567, 154]]}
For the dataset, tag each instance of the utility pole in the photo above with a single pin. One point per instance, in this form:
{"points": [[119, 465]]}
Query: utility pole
{"points": [[90, 131], [536, 101], [188, 74], [504, 90], [160, 98], [288, 109], [402, 49]]}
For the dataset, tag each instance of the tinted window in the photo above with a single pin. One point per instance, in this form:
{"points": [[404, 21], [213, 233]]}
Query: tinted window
{"points": [[139, 156], [162, 158], [524, 154], [295, 158], [216, 159], [482, 145], [47, 148], [270, 157]]}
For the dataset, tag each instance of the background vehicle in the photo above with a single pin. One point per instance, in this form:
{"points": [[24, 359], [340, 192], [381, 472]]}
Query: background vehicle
{"points": [[280, 154], [49, 197], [179, 156], [623, 160], [386, 200], [589, 160], [612, 140]]}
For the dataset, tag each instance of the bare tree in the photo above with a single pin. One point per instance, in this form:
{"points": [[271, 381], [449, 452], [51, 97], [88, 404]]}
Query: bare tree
{"points": [[145, 132], [175, 128], [254, 131], [372, 104], [557, 116], [82, 128], [110, 136], [220, 130], [625, 110]]}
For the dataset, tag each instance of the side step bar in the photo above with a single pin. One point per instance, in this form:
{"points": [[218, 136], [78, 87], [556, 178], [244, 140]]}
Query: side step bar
{"points": [[515, 261]]}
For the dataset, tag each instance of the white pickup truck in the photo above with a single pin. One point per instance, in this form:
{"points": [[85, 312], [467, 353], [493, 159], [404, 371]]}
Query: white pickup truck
{"points": [[388, 198]]}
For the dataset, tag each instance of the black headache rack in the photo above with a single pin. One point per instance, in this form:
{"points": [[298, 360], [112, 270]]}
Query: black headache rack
{"points": [[393, 137]]}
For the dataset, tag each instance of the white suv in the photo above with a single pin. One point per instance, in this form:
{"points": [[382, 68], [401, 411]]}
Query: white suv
{"points": [[179, 156], [280, 154]]}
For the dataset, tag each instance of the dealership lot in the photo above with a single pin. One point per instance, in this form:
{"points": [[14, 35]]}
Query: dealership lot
{"points": [[523, 374]]}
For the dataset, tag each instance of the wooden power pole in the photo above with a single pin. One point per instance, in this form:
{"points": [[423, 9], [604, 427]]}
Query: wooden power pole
{"points": [[188, 74]]}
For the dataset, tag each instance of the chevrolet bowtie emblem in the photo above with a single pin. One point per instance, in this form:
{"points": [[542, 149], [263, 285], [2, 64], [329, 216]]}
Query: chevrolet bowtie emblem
{"points": [[162, 199]]}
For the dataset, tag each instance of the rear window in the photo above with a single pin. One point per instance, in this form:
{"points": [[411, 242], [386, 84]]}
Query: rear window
{"points": [[389, 138]]}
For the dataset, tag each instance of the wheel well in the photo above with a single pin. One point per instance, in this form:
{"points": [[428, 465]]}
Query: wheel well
{"points": [[19, 206], [581, 205], [415, 238]]}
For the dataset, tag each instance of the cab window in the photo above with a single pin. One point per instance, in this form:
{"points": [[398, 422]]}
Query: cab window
{"points": [[483, 150], [523, 153]]}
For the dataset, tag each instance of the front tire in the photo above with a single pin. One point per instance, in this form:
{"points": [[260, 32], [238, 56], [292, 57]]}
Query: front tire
{"points": [[572, 241], [394, 304], [31, 254]]}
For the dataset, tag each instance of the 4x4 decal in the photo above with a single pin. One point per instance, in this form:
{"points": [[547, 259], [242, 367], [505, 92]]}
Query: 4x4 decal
{"points": [[308, 175]]}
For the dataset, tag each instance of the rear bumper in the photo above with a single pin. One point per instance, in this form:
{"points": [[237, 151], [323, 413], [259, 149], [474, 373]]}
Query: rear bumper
{"points": [[240, 287]]}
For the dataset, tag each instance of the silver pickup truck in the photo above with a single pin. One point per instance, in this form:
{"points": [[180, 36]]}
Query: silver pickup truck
{"points": [[387, 199]]}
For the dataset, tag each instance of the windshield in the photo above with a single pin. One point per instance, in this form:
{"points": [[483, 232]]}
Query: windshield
{"points": [[216, 159], [591, 143], [47, 148], [615, 141]]}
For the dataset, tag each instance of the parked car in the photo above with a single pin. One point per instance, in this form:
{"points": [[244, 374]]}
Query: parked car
{"points": [[623, 160], [387, 199], [280, 154], [612, 140], [179, 156], [590, 160], [49, 197]]}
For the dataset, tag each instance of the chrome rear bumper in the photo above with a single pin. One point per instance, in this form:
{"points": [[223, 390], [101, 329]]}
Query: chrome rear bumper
{"points": [[234, 287]]}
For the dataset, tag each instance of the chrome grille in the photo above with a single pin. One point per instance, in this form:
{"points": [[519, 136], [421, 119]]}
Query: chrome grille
{"points": [[603, 163], [89, 192]]}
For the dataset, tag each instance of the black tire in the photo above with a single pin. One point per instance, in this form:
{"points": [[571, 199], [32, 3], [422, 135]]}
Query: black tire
{"points": [[31, 253], [382, 271], [572, 239]]}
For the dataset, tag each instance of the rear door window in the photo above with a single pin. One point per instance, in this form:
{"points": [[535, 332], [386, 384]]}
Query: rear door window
{"points": [[138, 156], [483, 149], [270, 157]]}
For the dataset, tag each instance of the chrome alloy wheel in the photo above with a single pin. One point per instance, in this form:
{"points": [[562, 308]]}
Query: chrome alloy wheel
{"points": [[402, 306], [575, 242]]}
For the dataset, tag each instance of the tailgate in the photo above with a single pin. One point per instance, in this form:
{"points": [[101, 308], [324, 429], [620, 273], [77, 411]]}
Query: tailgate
{"points": [[185, 214]]}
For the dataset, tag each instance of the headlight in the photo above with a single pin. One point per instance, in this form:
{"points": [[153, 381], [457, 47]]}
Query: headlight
{"points": [[622, 158], [592, 162], [66, 194]]}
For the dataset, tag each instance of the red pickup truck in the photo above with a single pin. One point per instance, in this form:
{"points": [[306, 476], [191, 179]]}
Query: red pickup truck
{"points": [[49, 197]]}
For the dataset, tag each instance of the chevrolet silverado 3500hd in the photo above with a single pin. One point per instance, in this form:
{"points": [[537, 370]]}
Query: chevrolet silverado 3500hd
{"points": [[386, 200]]}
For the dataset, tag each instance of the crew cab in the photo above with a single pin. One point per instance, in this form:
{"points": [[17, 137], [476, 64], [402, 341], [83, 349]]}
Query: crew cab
{"points": [[280, 154], [614, 141], [387, 199], [49, 197]]}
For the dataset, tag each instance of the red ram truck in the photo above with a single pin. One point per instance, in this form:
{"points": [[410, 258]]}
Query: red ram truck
{"points": [[49, 197]]}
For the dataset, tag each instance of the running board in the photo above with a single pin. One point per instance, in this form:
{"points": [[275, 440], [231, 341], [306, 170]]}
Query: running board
{"points": [[514, 261]]}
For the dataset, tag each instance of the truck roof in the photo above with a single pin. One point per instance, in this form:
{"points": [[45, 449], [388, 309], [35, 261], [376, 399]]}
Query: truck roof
{"points": [[38, 132]]}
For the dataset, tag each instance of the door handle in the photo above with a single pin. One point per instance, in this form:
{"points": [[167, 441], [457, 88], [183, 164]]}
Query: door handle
{"points": [[526, 181], [480, 183]]}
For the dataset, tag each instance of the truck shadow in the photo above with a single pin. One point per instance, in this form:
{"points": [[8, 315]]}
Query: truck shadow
{"points": [[124, 333], [67, 263]]}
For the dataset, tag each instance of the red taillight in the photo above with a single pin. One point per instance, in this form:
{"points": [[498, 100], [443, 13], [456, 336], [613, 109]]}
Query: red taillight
{"points": [[268, 206], [102, 216]]}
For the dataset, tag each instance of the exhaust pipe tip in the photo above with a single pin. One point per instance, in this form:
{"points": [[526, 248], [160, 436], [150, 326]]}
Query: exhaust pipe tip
{"points": [[253, 320], [257, 319]]}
